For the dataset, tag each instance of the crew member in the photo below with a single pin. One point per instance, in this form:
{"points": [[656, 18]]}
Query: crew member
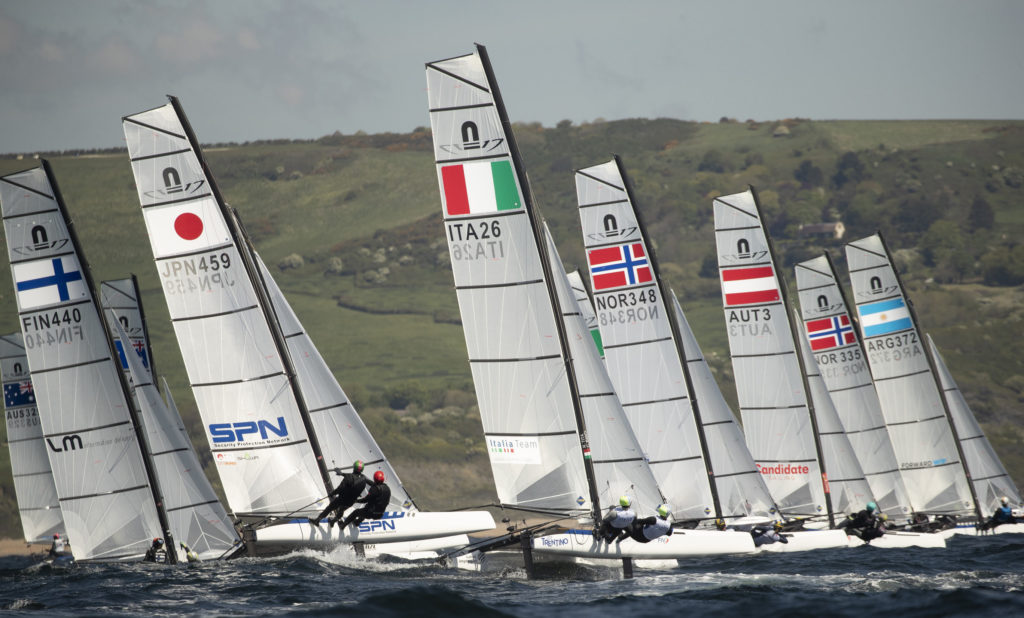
{"points": [[616, 523], [376, 501], [865, 524], [720, 524], [190, 555], [57, 547], [767, 536], [1002, 515], [649, 528], [156, 552], [344, 495]]}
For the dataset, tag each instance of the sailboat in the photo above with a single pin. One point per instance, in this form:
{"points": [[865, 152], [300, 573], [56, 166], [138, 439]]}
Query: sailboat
{"points": [[105, 481], [792, 430], [586, 305], [194, 512], [941, 449], [557, 437], [841, 359], [34, 489], [274, 449], [694, 445]]}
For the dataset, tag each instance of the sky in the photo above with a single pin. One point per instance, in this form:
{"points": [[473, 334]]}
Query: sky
{"points": [[264, 69]]}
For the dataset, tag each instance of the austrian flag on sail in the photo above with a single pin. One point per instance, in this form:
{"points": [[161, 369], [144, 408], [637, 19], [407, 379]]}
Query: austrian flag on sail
{"points": [[748, 286], [479, 187], [614, 267], [828, 333]]}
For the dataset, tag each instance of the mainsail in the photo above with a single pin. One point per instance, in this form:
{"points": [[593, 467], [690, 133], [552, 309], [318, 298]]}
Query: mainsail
{"points": [[526, 386], [194, 512], [256, 422], [33, 479], [782, 424], [579, 291], [104, 480], [908, 390], [990, 479], [840, 357]]}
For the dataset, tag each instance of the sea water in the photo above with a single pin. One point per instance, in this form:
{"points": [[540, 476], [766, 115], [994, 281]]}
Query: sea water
{"points": [[972, 576]]}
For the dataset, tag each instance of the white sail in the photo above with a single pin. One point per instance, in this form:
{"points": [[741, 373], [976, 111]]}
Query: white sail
{"points": [[840, 360], [343, 436], [989, 476], [120, 296], [640, 350], [773, 402], [850, 490], [620, 465], [193, 510], [33, 479], [741, 488], [907, 389], [252, 417], [579, 291], [101, 477]]}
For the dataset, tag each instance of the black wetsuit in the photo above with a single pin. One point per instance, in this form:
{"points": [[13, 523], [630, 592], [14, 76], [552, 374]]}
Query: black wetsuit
{"points": [[376, 501], [344, 495], [659, 526], [155, 554], [866, 525]]}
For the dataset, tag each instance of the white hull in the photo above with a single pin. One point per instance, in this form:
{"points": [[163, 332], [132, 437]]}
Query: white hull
{"points": [[394, 527], [900, 539], [426, 549], [682, 544], [970, 530], [807, 540]]}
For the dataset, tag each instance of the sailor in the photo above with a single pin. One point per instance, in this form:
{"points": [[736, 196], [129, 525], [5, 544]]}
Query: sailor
{"points": [[344, 495], [767, 536], [190, 555], [649, 528], [376, 501], [864, 523], [57, 547], [719, 524], [616, 523], [1002, 515], [156, 552]]}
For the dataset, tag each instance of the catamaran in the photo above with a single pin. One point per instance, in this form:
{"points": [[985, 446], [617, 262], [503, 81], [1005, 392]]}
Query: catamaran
{"points": [[951, 470], [34, 489], [277, 429], [105, 481], [558, 439], [693, 443]]}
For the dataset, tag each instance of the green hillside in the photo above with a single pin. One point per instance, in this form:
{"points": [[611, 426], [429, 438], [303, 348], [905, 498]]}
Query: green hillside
{"points": [[374, 285]]}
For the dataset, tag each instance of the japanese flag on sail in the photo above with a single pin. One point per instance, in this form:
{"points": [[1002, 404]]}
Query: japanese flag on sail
{"points": [[884, 317], [750, 285], [49, 282], [613, 267], [177, 229], [479, 187], [828, 333]]}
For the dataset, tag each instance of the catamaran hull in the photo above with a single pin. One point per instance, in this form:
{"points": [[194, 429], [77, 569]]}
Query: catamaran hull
{"points": [[682, 544], [970, 530], [807, 540], [395, 527], [899, 539]]}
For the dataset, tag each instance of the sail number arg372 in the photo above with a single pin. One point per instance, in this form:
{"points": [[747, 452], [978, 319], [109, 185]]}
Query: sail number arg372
{"points": [[894, 348], [52, 327], [476, 240], [200, 273]]}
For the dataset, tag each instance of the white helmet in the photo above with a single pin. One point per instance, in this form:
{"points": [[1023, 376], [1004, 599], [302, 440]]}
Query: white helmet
{"points": [[1004, 500]]}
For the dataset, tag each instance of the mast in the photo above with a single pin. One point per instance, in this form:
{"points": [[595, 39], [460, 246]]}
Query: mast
{"points": [[938, 383], [147, 458], [570, 372], [803, 368], [676, 337], [265, 306]]}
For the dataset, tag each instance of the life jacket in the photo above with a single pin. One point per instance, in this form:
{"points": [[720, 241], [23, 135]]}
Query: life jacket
{"points": [[58, 546], [659, 528], [621, 517]]}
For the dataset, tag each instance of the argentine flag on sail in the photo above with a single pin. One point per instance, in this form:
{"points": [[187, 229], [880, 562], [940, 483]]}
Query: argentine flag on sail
{"points": [[884, 317]]}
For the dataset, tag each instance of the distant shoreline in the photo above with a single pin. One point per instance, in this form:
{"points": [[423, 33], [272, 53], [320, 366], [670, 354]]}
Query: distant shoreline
{"points": [[18, 547]]}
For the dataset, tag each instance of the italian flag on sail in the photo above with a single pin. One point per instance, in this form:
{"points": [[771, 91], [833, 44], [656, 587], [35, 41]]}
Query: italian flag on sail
{"points": [[479, 187]]}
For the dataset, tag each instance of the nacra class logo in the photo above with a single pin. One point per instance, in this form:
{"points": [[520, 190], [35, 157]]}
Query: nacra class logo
{"points": [[471, 141], [237, 432]]}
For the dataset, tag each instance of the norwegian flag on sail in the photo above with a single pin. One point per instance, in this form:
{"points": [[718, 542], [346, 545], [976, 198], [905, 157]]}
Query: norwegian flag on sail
{"points": [[614, 267], [828, 333], [747, 286]]}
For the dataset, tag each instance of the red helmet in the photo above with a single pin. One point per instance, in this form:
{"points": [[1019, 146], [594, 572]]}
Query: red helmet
{"points": [[56, 535], [378, 477]]}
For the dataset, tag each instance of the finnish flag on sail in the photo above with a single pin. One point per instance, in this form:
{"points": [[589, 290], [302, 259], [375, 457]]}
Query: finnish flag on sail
{"points": [[884, 317], [48, 282]]}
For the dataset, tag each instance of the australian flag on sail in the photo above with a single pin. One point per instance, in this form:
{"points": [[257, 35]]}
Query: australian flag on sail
{"points": [[828, 333], [613, 267], [140, 349], [18, 394]]}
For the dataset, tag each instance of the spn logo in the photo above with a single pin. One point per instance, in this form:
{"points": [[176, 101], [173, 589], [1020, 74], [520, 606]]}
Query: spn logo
{"points": [[173, 187], [237, 432], [471, 141]]}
